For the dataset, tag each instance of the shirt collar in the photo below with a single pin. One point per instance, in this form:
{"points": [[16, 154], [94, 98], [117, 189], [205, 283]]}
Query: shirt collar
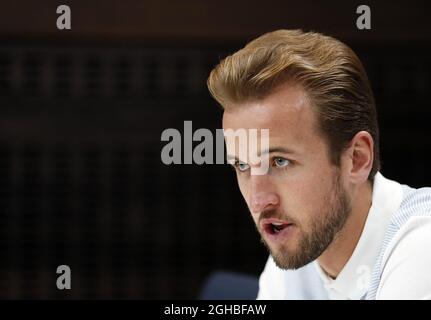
{"points": [[354, 279]]}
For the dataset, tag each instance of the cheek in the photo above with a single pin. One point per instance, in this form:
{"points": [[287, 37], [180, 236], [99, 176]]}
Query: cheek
{"points": [[305, 198]]}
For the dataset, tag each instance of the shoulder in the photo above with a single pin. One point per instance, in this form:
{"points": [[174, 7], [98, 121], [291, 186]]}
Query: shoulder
{"points": [[416, 202], [407, 261]]}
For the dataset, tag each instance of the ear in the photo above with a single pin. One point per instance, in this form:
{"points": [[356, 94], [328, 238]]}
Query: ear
{"points": [[359, 157]]}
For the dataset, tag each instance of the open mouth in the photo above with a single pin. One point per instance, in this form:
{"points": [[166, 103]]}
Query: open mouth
{"points": [[274, 228]]}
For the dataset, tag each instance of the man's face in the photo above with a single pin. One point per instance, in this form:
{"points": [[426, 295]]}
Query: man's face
{"points": [[300, 203]]}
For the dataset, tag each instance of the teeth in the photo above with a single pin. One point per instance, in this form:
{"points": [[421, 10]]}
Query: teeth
{"points": [[277, 224], [277, 228]]}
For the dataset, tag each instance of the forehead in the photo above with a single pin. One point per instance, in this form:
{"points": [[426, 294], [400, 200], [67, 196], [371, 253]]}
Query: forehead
{"points": [[287, 113]]}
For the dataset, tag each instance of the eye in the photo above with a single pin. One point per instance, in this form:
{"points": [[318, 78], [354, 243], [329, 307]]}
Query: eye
{"points": [[241, 166], [281, 162]]}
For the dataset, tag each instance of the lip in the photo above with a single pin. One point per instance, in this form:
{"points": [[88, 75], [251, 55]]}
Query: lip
{"points": [[277, 237]]}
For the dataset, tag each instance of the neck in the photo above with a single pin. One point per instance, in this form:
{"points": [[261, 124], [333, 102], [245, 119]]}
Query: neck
{"points": [[335, 257]]}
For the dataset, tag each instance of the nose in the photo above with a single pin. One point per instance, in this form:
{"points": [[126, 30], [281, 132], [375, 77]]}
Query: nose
{"points": [[263, 194]]}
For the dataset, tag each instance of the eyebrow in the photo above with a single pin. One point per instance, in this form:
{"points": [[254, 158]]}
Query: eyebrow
{"points": [[278, 149], [267, 151]]}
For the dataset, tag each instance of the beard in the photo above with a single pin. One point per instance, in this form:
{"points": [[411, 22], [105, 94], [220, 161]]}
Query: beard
{"points": [[322, 231]]}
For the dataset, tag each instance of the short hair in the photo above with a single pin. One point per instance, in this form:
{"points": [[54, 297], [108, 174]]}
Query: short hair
{"points": [[328, 70]]}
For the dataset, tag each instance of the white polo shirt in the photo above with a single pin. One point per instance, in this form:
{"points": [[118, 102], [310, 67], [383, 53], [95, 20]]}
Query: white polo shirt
{"points": [[406, 273]]}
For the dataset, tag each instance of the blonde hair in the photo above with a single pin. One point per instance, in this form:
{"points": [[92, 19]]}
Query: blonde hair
{"points": [[328, 70]]}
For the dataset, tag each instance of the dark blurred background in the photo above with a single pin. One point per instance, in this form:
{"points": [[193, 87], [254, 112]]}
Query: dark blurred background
{"points": [[82, 111]]}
